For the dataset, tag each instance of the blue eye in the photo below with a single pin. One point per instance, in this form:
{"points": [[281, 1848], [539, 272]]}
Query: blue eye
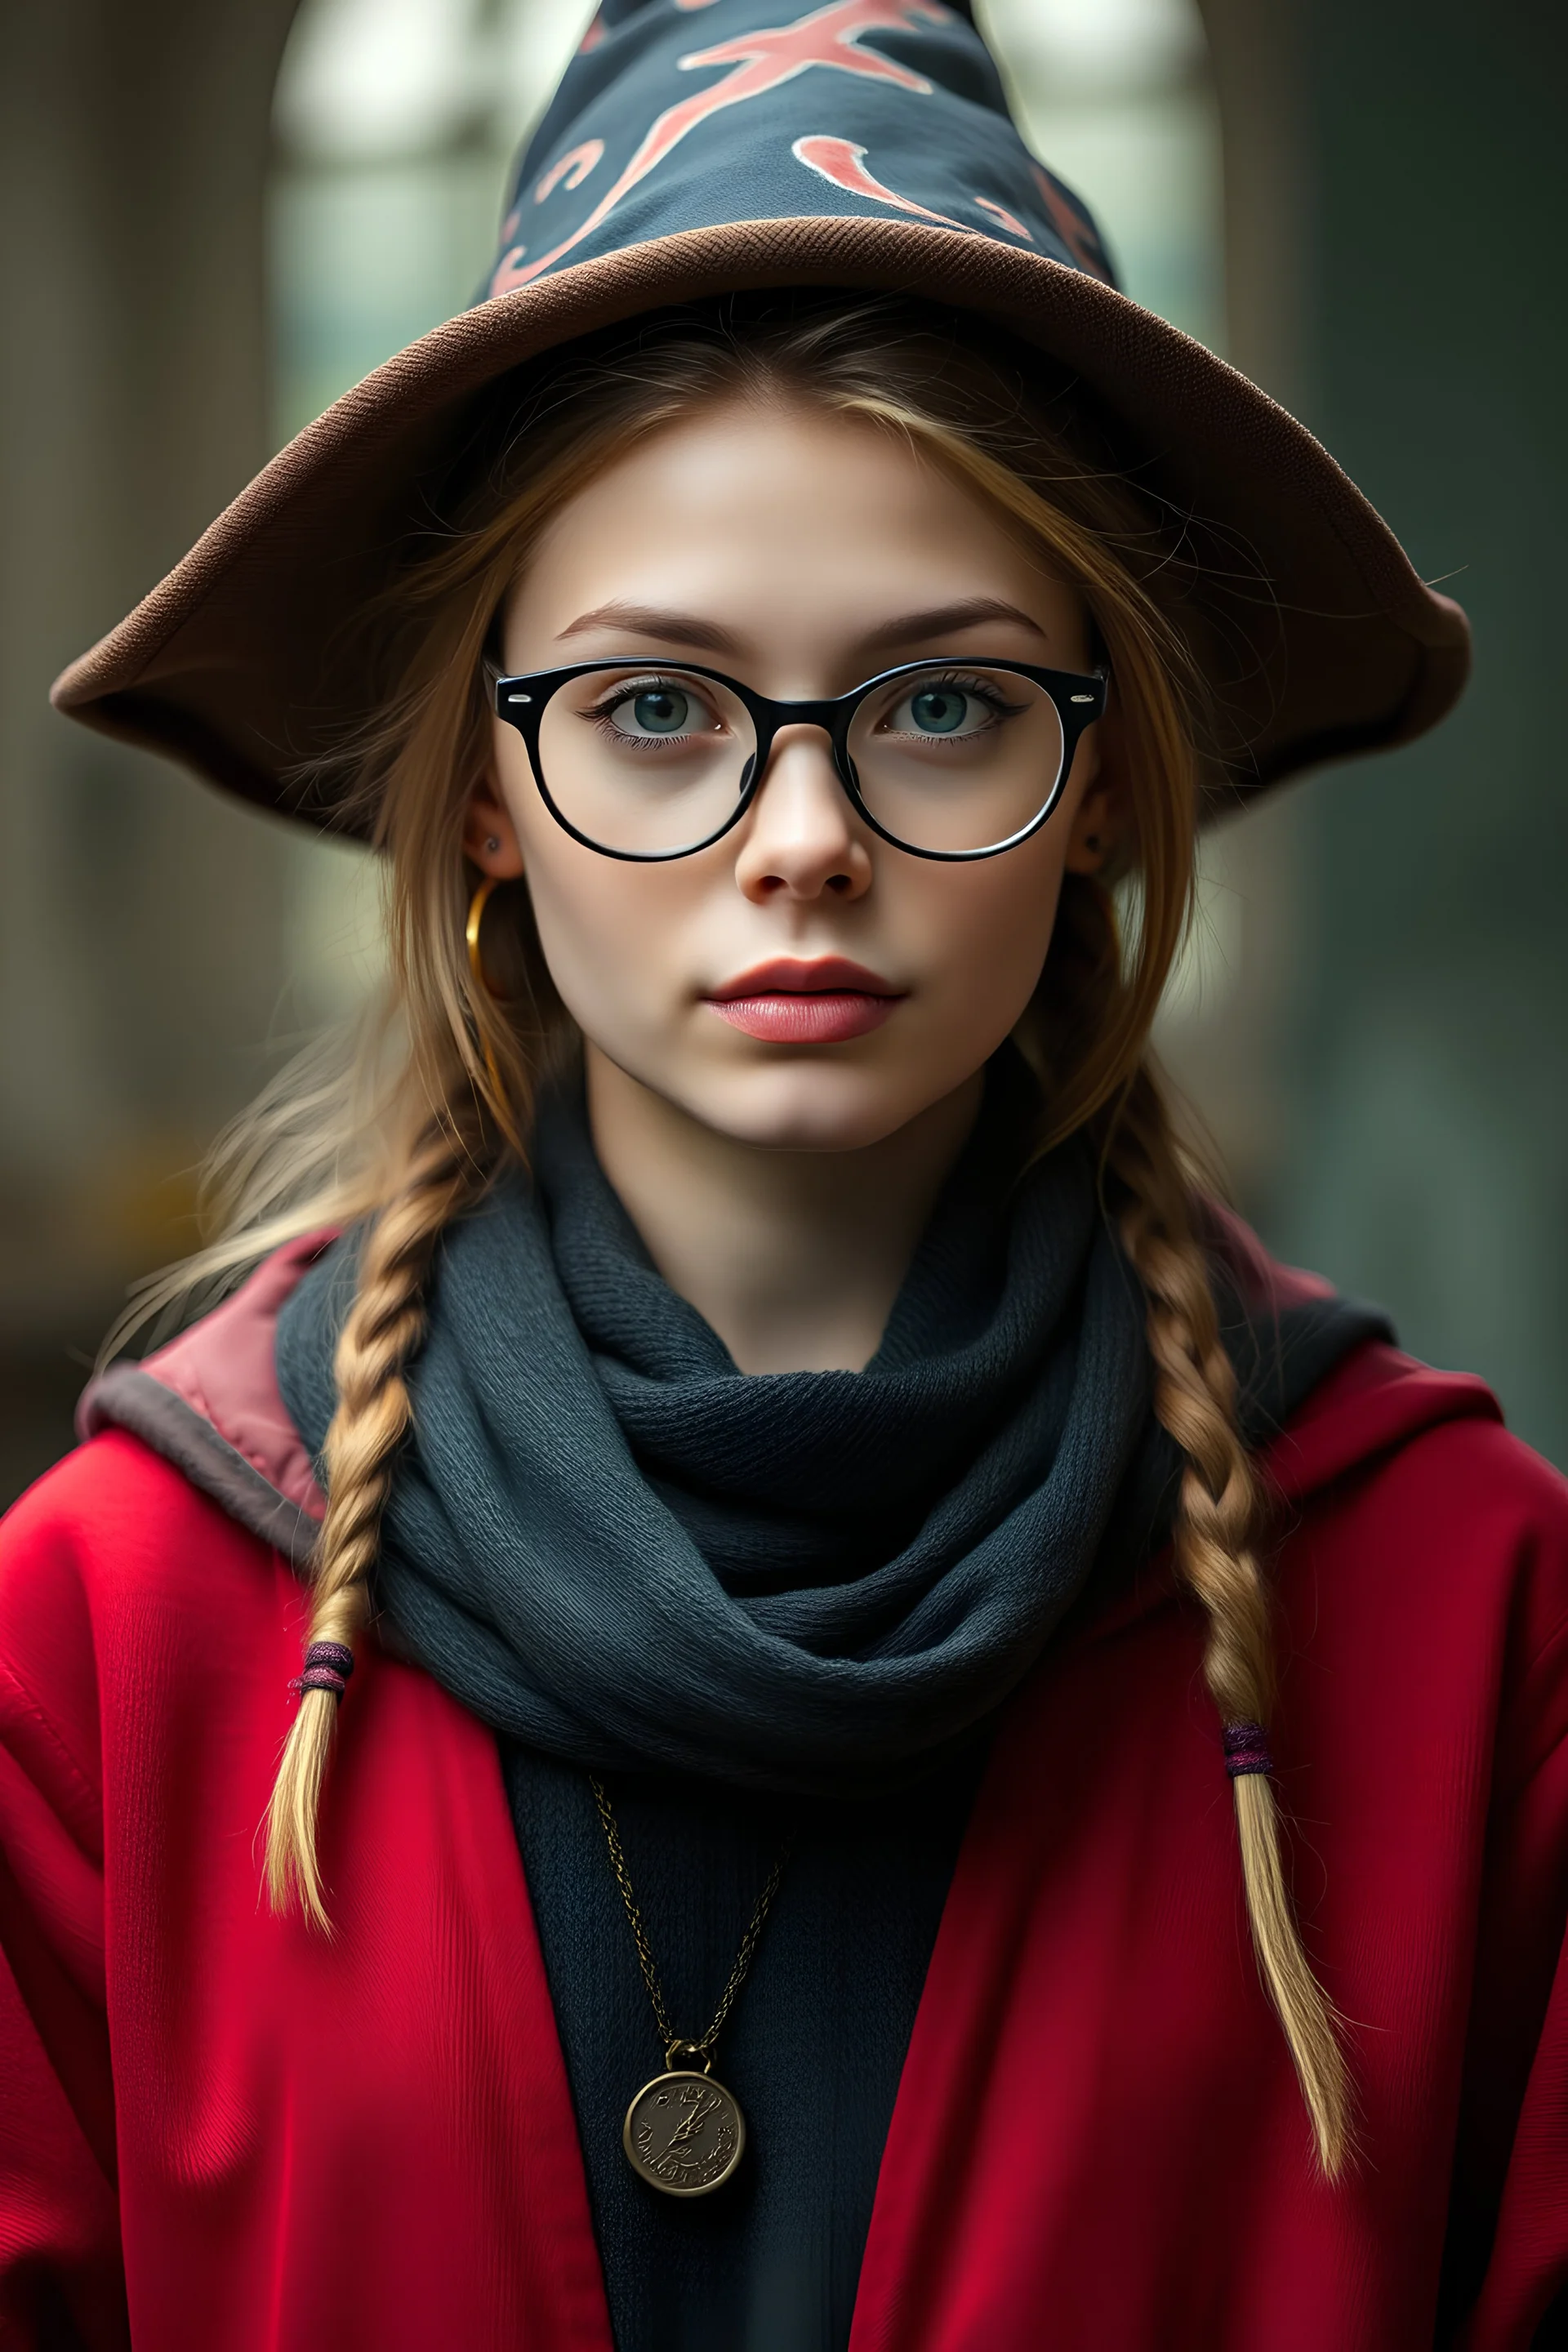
{"points": [[674, 718], [939, 709], [659, 711], [947, 709]]}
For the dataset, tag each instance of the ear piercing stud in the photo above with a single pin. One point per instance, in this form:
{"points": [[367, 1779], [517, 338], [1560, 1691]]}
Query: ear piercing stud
{"points": [[492, 841]]}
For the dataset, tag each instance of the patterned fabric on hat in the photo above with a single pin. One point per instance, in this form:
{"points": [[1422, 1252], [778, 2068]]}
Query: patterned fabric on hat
{"points": [[682, 114]]}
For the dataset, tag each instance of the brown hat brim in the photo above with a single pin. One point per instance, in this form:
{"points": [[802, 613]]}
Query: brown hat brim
{"points": [[1329, 643]]}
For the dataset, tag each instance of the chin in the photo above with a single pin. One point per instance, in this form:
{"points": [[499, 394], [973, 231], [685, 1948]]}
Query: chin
{"points": [[804, 1109]]}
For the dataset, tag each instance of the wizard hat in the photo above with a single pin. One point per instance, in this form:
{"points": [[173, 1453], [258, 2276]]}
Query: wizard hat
{"points": [[698, 148]]}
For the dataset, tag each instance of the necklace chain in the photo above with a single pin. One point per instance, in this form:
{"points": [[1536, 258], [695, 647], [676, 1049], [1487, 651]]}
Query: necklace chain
{"points": [[673, 2044]]}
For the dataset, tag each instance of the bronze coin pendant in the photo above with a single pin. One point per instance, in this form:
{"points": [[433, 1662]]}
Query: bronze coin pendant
{"points": [[684, 2133]]}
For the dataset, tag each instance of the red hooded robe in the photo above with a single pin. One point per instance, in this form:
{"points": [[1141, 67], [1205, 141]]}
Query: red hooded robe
{"points": [[221, 2133]]}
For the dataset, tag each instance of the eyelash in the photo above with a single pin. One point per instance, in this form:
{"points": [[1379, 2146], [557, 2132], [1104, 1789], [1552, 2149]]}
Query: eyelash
{"points": [[598, 714], [984, 690]]}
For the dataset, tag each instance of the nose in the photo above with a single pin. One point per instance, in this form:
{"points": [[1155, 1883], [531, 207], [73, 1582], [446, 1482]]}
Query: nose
{"points": [[801, 837]]}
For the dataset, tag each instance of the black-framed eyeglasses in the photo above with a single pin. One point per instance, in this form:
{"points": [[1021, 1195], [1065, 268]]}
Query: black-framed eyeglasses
{"points": [[649, 761]]}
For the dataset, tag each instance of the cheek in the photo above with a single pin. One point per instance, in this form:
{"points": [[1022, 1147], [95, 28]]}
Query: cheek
{"points": [[986, 929], [610, 932]]}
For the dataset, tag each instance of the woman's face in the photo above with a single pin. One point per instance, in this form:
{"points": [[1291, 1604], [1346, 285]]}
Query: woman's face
{"points": [[800, 552]]}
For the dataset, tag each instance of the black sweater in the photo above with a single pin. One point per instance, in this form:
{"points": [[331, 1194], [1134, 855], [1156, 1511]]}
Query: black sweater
{"points": [[770, 2262]]}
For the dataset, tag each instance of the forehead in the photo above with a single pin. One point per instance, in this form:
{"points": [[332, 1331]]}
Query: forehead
{"points": [[760, 511]]}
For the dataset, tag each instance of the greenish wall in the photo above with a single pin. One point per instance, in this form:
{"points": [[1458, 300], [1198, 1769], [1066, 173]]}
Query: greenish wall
{"points": [[1429, 1156]]}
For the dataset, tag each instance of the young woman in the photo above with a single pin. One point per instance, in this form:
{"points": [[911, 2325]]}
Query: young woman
{"points": [[812, 1497]]}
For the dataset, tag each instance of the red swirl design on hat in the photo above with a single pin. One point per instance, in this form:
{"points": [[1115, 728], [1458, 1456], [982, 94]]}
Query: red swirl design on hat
{"points": [[1009, 221], [763, 60], [844, 163], [570, 170]]}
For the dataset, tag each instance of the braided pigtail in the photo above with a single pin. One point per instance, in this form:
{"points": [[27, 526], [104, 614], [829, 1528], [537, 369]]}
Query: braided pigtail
{"points": [[1219, 1515], [385, 1326]]}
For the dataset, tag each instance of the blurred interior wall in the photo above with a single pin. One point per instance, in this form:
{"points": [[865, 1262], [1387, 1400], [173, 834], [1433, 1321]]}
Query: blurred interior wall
{"points": [[1426, 1157], [140, 918]]}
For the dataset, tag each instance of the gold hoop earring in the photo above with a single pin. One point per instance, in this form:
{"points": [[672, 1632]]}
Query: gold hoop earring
{"points": [[477, 906], [471, 929]]}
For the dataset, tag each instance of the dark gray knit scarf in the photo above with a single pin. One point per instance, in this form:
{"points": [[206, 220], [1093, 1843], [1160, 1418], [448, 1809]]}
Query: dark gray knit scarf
{"points": [[610, 1544]]}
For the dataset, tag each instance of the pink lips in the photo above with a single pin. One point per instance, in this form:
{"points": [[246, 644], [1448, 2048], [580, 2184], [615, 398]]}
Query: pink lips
{"points": [[790, 1003]]}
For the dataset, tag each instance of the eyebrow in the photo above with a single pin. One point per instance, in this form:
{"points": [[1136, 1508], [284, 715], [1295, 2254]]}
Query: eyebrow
{"points": [[970, 612], [671, 627], [654, 621]]}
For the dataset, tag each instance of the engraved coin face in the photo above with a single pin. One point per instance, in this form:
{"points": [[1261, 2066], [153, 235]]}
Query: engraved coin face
{"points": [[684, 2133]]}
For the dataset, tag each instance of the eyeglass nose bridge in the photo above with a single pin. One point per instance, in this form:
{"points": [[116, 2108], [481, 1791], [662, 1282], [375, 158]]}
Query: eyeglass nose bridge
{"points": [[772, 720]]}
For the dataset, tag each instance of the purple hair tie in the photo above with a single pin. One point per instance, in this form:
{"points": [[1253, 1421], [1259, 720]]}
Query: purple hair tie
{"points": [[328, 1666], [1247, 1749]]}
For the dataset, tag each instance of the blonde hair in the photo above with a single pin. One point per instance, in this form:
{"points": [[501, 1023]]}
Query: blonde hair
{"points": [[411, 1129]]}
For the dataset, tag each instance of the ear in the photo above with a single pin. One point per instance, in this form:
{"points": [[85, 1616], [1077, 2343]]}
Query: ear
{"points": [[490, 836], [1099, 820]]}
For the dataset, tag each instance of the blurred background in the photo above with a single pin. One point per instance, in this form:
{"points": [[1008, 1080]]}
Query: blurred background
{"points": [[218, 214]]}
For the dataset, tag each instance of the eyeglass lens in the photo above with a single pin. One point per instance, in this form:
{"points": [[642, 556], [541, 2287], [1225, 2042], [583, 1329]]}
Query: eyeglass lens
{"points": [[946, 757]]}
